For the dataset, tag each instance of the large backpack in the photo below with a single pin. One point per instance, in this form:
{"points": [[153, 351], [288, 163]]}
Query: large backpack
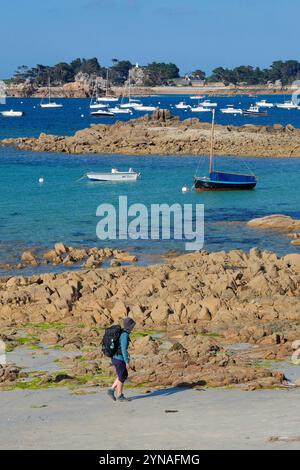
{"points": [[111, 340]]}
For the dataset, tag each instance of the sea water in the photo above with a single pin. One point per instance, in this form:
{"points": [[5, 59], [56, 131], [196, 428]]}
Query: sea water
{"points": [[63, 208]]}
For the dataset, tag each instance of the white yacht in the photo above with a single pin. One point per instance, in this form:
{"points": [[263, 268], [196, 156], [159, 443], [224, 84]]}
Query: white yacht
{"points": [[12, 113], [131, 104], [197, 97], [49, 103], [114, 175], [96, 105], [208, 104], [182, 105], [102, 113], [231, 110], [107, 98], [119, 110], [264, 104], [200, 109], [144, 108], [287, 105]]}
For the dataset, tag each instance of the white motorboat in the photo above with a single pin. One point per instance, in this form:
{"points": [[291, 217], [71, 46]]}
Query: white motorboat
{"points": [[231, 110], [144, 108], [208, 104], [12, 113], [131, 104], [102, 113], [254, 111], [197, 97], [264, 104], [200, 109], [49, 103], [287, 105], [114, 175], [118, 110], [182, 105]]}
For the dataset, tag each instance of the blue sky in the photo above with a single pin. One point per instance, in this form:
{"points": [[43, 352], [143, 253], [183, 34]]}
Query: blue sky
{"points": [[192, 33]]}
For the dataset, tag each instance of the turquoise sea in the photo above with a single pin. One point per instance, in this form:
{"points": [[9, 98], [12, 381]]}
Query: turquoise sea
{"points": [[64, 207]]}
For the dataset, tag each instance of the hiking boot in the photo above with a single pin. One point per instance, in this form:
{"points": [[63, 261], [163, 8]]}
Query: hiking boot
{"points": [[122, 398], [111, 394]]}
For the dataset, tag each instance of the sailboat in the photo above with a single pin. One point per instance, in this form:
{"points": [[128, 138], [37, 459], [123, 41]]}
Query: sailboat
{"points": [[50, 104], [221, 180], [108, 98]]}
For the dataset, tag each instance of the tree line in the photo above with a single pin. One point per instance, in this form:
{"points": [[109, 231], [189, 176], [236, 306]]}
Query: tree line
{"points": [[155, 73]]}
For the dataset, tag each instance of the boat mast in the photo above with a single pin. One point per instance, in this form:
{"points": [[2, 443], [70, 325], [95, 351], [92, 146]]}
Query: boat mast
{"points": [[106, 93], [212, 142], [49, 89]]}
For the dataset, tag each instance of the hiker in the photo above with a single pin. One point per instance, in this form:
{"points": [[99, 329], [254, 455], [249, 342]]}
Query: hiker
{"points": [[121, 361]]}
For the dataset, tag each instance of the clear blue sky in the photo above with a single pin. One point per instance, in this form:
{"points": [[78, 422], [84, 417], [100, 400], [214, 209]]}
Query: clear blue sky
{"points": [[192, 33]]}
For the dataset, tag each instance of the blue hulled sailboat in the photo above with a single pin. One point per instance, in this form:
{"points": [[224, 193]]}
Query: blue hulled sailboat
{"points": [[221, 180]]}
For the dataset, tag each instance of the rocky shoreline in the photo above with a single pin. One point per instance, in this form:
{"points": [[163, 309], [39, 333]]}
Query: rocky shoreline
{"points": [[163, 134], [192, 314]]}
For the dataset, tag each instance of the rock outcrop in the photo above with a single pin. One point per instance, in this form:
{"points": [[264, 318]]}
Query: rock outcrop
{"points": [[164, 134]]}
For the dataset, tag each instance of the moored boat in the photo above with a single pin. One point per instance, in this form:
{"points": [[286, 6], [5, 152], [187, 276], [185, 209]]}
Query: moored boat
{"points": [[222, 180], [50, 104], [231, 110], [208, 104], [102, 112], [114, 175], [264, 104], [287, 105], [12, 113], [254, 111], [182, 105]]}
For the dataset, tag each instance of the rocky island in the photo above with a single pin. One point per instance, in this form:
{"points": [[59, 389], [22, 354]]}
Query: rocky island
{"points": [[163, 134]]}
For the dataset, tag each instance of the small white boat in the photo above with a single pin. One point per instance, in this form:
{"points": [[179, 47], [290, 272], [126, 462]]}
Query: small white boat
{"points": [[254, 111], [182, 105], [231, 110], [287, 105], [108, 99], [200, 109], [118, 110], [208, 104], [144, 108], [264, 104], [197, 97], [102, 112], [131, 104], [95, 105], [49, 103], [12, 113], [114, 175]]}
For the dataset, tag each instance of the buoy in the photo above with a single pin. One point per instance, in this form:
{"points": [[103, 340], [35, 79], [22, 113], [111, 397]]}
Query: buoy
{"points": [[41, 180], [34, 107], [82, 115], [185, 189]]}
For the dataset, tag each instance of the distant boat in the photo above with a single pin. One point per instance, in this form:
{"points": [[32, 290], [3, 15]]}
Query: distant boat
{"points": [[12, 113], [264, 104], [200, 109], [144, 108], [118, 110], [287, 105], [131, 104], [231, 110], [254, 111], [114, 175], [197, 97], [208, 104], [96, 105], [107, 97], [49, 103], [102, 113], [182, 105], [221, 180]]}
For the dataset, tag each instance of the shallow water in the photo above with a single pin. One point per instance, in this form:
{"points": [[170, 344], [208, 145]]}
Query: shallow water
{"points": [[64, 207]]}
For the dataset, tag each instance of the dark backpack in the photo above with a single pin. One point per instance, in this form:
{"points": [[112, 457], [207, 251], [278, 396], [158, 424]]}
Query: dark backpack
{"points": [[111, 340]]}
